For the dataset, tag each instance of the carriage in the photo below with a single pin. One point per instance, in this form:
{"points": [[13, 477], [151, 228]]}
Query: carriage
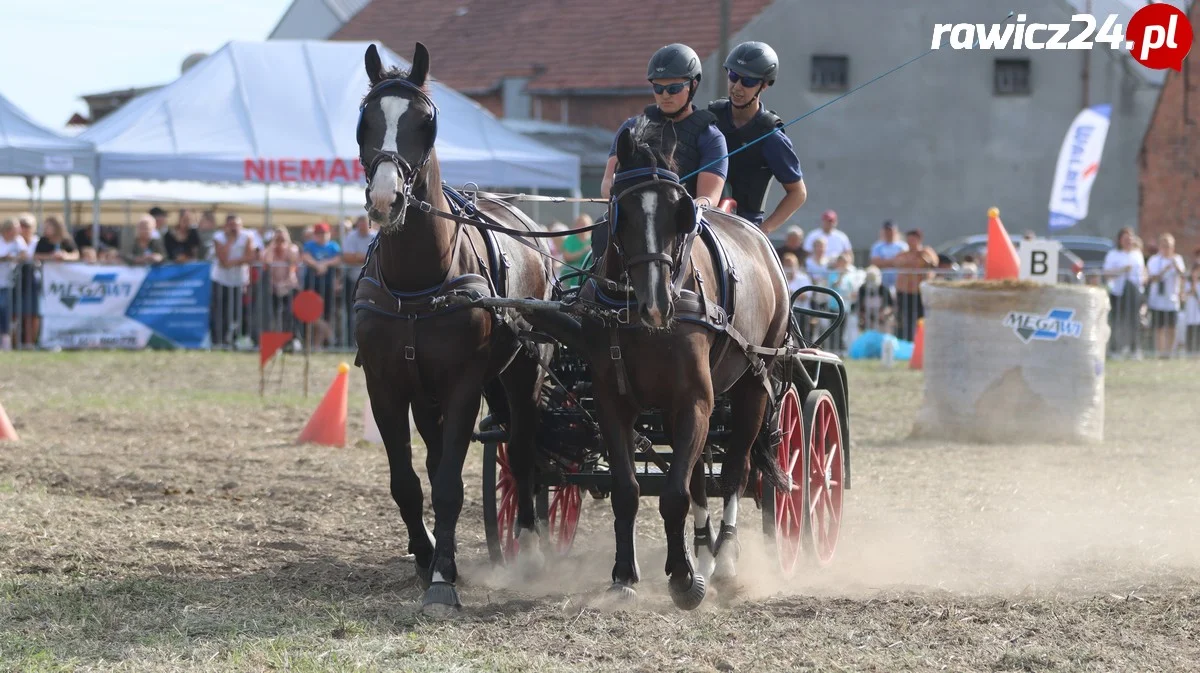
{"points": [[812, 416]]}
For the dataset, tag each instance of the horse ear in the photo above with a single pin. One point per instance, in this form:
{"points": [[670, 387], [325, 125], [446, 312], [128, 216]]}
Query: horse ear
{"points": [[374, 65], [625, 147], [420, 65], [685, 216]]}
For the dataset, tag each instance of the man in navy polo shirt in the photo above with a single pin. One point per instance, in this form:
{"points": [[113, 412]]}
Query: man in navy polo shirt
{"points": [[742, 118]]}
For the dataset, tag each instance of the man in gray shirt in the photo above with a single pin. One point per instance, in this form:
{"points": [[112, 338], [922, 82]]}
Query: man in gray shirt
{"points": [[354, 253]]}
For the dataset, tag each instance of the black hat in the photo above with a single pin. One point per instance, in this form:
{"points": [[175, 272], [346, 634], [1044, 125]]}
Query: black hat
{"points": [[157, 212]]}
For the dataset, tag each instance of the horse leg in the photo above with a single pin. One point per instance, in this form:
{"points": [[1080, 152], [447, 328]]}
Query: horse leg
{"points": [[391, 416], [748, 407], [459, 409], [703, 541], [522, 381], [428, 418], [689, 426], [616, 418]]}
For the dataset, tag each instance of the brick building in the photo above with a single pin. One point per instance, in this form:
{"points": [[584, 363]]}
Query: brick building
{"points": [[1169, 181], [577, 62]]}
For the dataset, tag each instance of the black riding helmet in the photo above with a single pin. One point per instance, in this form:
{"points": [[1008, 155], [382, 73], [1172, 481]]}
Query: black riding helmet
{"points": [[754, 59], [674, 60]]}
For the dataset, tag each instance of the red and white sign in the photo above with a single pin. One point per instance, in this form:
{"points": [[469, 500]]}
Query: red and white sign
{"points": [[303, 171]]}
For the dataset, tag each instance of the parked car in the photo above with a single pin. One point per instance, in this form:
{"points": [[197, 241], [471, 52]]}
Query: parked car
{"points": [[1080, 255]]}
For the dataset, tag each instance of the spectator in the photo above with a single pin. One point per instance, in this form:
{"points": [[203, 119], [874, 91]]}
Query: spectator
{"points": [[876, 304], [160, 222], [355, 245], [1125, 268], [89, 256], [29, 285], [234, 251], [836, 241], [207, 228], [884, 252], [282, 259], [969, 269], [793, 272], [320, 256], [146, 249], [1191, 309], [54, 245], [574, 249], [182, 243], [13, 252], [109, 239], [793, 242], [817, 264], [1166, 272], [913, 269]]}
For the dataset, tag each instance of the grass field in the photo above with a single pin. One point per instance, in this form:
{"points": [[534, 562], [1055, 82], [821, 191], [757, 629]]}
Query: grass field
{"points": [[157, 516]]}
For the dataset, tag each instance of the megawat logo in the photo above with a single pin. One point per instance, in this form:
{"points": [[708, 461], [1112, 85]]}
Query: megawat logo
{"points": [[1057, 323], [101, 287]]}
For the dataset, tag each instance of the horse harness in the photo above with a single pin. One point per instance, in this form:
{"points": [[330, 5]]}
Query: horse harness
{"points": [[692, 307], [373, 294]]}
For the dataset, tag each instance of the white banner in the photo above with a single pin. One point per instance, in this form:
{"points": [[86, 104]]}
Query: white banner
{"points": [[100, 306], [1078, 163]]}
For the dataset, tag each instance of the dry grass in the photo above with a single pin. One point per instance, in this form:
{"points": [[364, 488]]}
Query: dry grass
{"points": [[158, 517]]}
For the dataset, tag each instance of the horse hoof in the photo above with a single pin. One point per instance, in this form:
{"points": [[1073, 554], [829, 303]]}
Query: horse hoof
{"points": [[692, 597], [727, 587], [424, 577], [441, 600], [622, 592]]}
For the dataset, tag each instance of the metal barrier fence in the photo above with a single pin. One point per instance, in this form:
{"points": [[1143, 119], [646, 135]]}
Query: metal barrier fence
{"points": [[890, 304]]}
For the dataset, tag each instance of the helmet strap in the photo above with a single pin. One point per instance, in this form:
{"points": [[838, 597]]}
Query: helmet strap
{"points": [[753, 100]]}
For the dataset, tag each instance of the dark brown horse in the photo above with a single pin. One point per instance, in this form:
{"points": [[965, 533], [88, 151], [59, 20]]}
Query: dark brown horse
{"points": [[677, 364], [433, 360]]}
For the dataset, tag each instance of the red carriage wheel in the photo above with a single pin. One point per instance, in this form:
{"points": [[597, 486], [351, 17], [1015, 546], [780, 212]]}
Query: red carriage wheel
{"points": [[823, 484], [499, 503], [564, 517], [783, 511]]}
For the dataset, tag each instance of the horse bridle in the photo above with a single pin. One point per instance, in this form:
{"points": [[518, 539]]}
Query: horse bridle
{"points": [[407, 172], [657, 176]]}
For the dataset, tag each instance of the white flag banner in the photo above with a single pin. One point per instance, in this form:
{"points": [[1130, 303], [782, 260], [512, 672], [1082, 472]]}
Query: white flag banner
{"points": [[1078, 163]]}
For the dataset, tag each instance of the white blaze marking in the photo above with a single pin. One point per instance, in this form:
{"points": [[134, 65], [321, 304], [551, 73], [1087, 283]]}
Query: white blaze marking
{"points": [[386, 181], [649, 205]]}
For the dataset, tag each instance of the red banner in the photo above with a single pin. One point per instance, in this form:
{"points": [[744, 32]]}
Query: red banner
{"points": [[306, 171]]}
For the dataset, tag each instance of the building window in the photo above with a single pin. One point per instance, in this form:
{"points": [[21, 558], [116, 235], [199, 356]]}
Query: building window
{"points": [[1012, 76], [830, 73]]}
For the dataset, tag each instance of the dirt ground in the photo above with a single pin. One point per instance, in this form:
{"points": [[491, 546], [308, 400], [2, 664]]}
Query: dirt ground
{"points": [[157, 515]]}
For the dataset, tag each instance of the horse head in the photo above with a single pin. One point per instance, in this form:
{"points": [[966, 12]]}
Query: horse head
{"points": [[397, 127], [651, 215]]}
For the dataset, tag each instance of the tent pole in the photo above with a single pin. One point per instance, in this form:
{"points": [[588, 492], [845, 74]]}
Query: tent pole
{"points": [[96, 219], [37, 229], [341, 212], [576, 193], [537, 211], [267, 207], [67, 204]]}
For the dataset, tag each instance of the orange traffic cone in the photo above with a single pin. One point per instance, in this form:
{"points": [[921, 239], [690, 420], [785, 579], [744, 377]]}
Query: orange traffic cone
{"points": [[1002, 260], [917, 361], [328, 423], [6, 427]]}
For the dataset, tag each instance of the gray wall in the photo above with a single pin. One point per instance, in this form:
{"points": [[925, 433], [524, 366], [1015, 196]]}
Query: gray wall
{"points": [[930, 145]]}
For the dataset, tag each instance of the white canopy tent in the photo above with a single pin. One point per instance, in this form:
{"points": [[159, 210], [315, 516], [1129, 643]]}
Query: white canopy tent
{"points": [[30, 150], [285, 112]]}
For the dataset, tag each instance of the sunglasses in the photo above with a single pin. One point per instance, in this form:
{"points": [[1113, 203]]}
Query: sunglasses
{"points": [[748, 82], [671, 89]]}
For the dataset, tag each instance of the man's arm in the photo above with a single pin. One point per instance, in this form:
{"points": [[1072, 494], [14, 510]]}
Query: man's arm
{"points": [[714, 166], [708, 188], [785, 166], [795, 194], [606, 183]]}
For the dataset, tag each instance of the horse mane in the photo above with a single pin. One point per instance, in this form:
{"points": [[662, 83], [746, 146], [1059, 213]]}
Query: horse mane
{"points": [[650, 149], [388, 73]]}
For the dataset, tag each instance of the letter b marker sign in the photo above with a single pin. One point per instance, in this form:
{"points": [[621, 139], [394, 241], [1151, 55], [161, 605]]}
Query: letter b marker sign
{"points": [[1039, 260]]}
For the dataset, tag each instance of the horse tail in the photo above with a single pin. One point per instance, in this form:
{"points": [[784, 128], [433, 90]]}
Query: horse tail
{"points": [[765, 449]]}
